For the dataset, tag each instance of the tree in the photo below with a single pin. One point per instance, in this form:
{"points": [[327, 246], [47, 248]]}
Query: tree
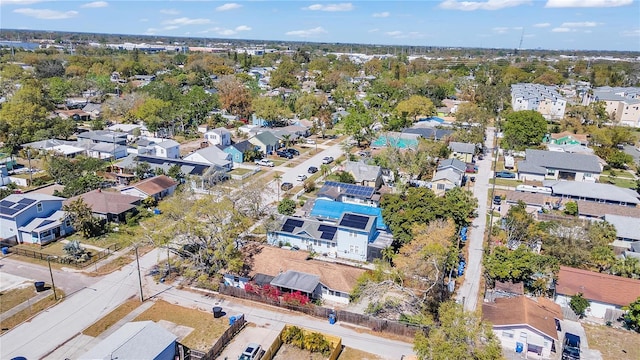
{"points": [[175, 172], [83, 220], [154, 112], [24, 114], [284, 74], [523, 129], [579, 304], [518, 265], [571, 208], [632, 315], [278, 179], [358, 124], [414, 106], [287, 207], [460, 335], [345, 177], [470, 113], [234, 96]]}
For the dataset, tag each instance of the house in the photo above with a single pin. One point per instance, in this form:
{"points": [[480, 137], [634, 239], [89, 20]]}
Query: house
{"points": [[621, 104], [428, 133], [169, 149], [33, 218], [627, 229], [104, 150], [349, 193], [445, 180], [544, 99], [136, 340], [542, 165], [331, 281], [94, 110], [212, 155], [156, 187], [60, 147], [75, 114], [132, 131], [451, 163], [218, 136], [462, 151], [324, 209], [353, 236], [102, 136], [238, 150], [364, 174], [266, 142], [108, 205], [595, 192], [525, 325], [604, 292]]}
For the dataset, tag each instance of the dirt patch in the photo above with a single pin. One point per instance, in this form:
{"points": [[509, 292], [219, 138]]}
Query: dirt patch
{"points": [[288, 351], [28, 313], [111, 318], [385, 335], [614, 344], [353, 354]]}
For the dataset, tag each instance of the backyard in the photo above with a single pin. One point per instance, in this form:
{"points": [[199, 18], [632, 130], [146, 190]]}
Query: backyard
{"points": [[614, 344]]}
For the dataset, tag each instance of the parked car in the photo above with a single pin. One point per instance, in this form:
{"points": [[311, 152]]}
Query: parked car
{"points": [[284, 154], [312, 170], [286, 186], [364, 153], [505, 175], [571, 347], [265, 162], [292, 151], [301, 177], [497, 200], [471, 168], [327, 160], [310, 141], [252, 352]]}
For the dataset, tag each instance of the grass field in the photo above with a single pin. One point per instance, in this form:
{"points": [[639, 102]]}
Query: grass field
{"points": [[14, 297], [614, 344], [29, 312], [111, 318], [618, 181], [206, 329]]}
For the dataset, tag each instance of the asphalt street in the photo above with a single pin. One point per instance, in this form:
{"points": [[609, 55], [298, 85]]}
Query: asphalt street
{"points": [[468, 292]]}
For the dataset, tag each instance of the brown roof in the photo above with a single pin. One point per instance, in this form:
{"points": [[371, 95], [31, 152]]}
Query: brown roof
{"points": [[271, 261], [510, 287], [580, 137], [608, 289], [155, 184], [107, 202], [539, 314]]}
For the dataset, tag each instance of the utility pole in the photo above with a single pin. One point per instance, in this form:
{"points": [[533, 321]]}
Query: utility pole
{"points": [[53, 285], [139, 276], [30, 169]]}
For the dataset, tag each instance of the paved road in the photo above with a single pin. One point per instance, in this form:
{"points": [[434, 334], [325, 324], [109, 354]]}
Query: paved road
{"points": [[53, 327], [468, 292]]}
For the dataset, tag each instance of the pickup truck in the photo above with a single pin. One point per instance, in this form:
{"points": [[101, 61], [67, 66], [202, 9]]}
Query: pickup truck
{"points": [[571, 347]]}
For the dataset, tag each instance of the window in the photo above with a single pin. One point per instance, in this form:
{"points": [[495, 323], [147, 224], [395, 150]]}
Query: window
{"points": [[39, 207], [587, 175], [67, 223], [508, 334], [551, 171], [440, 186]]}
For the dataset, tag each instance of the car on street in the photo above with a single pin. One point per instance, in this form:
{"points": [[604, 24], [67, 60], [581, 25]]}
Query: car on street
{"points": [[505, 175], [310, 141], [312, 170], [265, 162], [286, 186], [327, 160], [252, 352], [292, 151], [284, 154], [471, 168], [497, 200], [301, 177]]}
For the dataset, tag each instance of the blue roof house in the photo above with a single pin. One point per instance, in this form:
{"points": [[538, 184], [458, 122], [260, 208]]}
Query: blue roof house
{"points": [[238, 150], [33, 218]]}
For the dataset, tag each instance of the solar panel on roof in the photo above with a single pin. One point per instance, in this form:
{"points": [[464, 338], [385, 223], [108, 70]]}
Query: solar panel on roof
{"points": [[26, 201], [7, 211], [354, 221], [19, 206], [6, 203], [291, 224]]}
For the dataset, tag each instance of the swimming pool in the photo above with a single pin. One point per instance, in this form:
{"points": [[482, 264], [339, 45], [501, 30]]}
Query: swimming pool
{"points": [[396, 142]]}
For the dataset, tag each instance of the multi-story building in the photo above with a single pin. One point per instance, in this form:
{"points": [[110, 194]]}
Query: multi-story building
{"points": [[544, 99]]}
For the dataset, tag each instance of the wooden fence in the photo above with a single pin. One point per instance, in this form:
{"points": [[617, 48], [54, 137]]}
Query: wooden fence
{"points": [[41, 255], [222, 341], [376, 324]]}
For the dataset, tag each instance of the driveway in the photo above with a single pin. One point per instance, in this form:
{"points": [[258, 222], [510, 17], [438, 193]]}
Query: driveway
{"points": [[468, 292]]}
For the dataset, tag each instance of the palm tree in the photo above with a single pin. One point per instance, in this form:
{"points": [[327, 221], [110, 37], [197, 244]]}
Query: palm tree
{"points": [[278, 178], [325, 169], [287, 140], [388, 253]]}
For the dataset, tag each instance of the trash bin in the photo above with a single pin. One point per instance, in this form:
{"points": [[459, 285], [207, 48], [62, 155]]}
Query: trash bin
{"points": [[232, 320], [39, 285], [217, 312], [332, 319], [5, 250]]}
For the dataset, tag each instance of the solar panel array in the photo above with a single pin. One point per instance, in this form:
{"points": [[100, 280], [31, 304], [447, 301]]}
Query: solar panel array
{"points": [[10, 208], [328, 232], [291, 224], [354, 221], [26, 201], [352, 189]]}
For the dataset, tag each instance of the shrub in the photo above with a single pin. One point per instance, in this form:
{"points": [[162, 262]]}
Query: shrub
{"points": [[293, 335], [316, 342], [295, 298], [579, 304]]}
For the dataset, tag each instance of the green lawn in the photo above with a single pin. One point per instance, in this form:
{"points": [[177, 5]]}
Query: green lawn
{"points": [[506, 182], [617, 173], [239, 171], [621, 182]]}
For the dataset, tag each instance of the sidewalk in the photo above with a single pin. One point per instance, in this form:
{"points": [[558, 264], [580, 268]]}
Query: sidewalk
{"points": [[16, 309]]}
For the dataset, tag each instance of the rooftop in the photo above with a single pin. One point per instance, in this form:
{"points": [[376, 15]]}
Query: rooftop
{"points": [[295, 280], [107, 202], [333, 210], [608, 289], [541, 159], [155, 184], [596, 191], [462, 148], [15, 204], [626, 227], [539, 314]]}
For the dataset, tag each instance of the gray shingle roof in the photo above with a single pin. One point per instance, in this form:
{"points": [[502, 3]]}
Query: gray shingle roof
{"points": [[363, 172], [589, 190], [452, 163], [626, 227], [561, 161], [452, 175], [296, 281], [462, 148]]}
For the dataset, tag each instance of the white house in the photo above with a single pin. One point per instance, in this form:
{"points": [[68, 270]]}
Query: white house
{"points": [[169, 149], [156, 187], [218, 136], [525, 325], [212, 155], [604, 292], [542, 165]]}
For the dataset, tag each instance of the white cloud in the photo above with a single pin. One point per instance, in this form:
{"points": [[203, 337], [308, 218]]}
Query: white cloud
{"points": [[170, 11], [151, 31], [19, 2], [374, 30], [243, 28], [330, 7], [579, 24], [481, 5], [307, 33], [95, 4], [560, 29], [46, 14], [186, 21], [501, 30], [635, 32], [586, 3], [395, 33], [542, 25], [383, 14], [228, 6], [229, 32], [171, 27]]}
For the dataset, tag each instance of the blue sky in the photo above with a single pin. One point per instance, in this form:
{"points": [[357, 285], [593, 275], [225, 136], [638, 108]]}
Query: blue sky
{"points": [[547, 24]]}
